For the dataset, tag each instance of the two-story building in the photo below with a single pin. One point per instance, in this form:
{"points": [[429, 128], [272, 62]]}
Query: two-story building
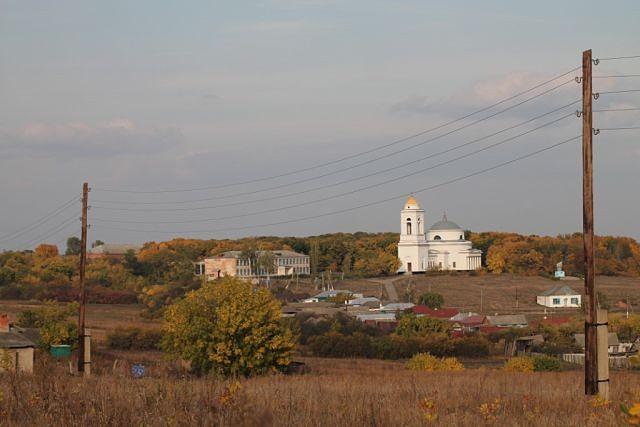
{"points": [[233, 263]]}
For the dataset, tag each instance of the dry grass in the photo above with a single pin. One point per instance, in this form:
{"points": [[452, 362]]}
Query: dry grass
{"points": [[462, 291], [335, 393]]}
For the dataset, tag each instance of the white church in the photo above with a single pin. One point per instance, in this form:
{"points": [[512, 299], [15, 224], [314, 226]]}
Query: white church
{"points": [[441, 247]]}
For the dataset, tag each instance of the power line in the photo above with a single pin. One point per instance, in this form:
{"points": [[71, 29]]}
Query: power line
{"points": [[393, 153], [621, 128], [51, 231], [618, 91], [282, 208], [333, 184], [611, 110], [421, 190], [395, 142], [17, 233], [620, 76], [615, 58]]}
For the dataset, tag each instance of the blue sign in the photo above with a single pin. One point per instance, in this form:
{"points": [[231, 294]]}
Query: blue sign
{"points": [[137, 370]]}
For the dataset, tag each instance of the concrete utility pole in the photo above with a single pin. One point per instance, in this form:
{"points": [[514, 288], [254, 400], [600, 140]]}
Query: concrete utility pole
{"points": [[83, 347], [590, 325]]}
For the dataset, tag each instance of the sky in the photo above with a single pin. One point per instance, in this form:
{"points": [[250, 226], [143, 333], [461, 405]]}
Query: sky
{"points": [[151, 96]]}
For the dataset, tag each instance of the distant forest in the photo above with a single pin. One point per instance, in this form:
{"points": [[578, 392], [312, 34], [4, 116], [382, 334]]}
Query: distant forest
{"points": [[163, 271]]}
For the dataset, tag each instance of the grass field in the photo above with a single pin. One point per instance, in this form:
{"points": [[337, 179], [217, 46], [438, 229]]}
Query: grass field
{"points": [[333, 393]]}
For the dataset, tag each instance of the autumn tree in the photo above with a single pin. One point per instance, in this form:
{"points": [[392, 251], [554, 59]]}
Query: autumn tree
{"points": [[411, 325], [431, 300], [73, 246], [228, 328]]}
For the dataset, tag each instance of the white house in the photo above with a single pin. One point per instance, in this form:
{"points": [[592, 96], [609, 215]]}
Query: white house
{"points": [[232, 263], [560, 296], [442, 247]]}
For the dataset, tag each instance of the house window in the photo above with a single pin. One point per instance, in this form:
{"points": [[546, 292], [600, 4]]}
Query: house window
{"points": [[454, 264], [437, 237], [574, 301], [440, 265], [556, 301], [408, 225], [461, 237]]}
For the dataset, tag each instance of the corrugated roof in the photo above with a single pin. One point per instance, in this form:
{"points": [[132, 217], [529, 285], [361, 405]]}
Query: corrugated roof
{"points": [[15, 339], [560, 290], [507, 320]]}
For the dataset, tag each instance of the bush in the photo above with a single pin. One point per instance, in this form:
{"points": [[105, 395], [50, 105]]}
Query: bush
{"points": [[471, 346], [519, 364], [634, 361], [134, 339], [546, 364], [427, 362]]}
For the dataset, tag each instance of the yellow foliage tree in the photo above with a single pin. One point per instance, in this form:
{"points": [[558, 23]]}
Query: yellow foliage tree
{"points": [[228, 328]]}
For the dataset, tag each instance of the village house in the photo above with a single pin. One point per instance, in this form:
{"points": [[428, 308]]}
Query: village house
{"points": [[115, 252], [16, 350], [561, 296], [439, 313], [327, 295], [232, 263], [507, 321]]}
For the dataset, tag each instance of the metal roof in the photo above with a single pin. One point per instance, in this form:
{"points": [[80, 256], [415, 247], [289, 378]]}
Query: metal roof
{"points": [[15, 339], [561, 290], [612, 339], [445, 224], [507, 320]]}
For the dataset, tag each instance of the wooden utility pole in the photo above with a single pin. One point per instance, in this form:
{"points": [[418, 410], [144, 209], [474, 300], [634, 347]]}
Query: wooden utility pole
{"points": [[82, 359], [590, 332]]}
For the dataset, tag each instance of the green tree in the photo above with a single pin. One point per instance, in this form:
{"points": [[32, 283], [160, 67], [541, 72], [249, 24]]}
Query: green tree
{"points": [[602, 300], [73, 246], [228, 328], [431, 300], [97, 243], [411, 326], [52, 320]]}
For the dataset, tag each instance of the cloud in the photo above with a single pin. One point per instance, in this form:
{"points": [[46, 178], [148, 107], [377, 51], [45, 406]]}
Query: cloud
{"points": [[116, 137], [490, 91]]}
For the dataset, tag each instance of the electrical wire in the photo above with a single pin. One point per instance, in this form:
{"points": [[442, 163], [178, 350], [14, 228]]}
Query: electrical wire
{"points": [[51, 231], [621, 128], [621, 76], [378, 202], [332, 162], [282, 208], [615, 58], [611, 110], [20, 232], [618, 91], [322, 187]]}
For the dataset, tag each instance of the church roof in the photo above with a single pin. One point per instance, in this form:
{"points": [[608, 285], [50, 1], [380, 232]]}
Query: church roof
{"points": [[412, 203], [445, 224]]}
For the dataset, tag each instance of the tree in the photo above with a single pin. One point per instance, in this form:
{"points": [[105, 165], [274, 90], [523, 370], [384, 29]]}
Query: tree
{"points": [[410, 326], [602, 300], [51, 319], [97, 243], [228, 328], [431, 300], [73, 246]]}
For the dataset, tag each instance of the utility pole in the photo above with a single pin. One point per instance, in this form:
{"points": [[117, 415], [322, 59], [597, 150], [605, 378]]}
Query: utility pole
{"points": [[82, 345], [590, 325]]}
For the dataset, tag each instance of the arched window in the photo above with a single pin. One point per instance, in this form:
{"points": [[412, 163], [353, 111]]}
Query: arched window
{"points": [[436, 237], [461, 237], [408, 225]]}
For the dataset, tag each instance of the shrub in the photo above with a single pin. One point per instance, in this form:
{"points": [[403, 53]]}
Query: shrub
{"points": [[134, 339], [431, 300], [519, 364], [634, 361], [427, 362], [546, 364], [471, 346], [228, 328], [410, 325]]}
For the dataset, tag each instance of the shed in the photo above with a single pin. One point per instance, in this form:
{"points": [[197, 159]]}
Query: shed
{"points": [[16, 350]]}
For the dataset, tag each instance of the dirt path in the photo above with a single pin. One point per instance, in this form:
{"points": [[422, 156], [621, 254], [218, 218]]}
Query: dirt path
{"points": [[389, 287]]}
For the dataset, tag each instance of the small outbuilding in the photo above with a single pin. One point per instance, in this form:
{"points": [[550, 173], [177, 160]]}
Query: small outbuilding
{"points": [[17, 352], [561, 296]]}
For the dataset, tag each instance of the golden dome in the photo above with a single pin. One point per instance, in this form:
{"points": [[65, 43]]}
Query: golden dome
{"points": [[412, 201]]}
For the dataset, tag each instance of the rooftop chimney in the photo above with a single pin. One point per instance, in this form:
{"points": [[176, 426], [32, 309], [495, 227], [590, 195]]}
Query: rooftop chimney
{"points": [[4, 322]]}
